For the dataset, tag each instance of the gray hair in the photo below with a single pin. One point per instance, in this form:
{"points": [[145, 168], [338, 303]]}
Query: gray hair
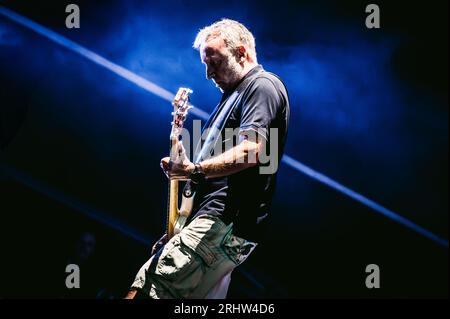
{"points": [[232, 32]]}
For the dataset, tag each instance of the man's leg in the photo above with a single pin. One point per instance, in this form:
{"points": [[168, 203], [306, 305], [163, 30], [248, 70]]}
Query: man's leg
{"points": [[220, 290], [131, 294], [139, 281]]}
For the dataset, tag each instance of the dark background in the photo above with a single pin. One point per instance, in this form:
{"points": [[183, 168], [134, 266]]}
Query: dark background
{"points": [[80, 146]]}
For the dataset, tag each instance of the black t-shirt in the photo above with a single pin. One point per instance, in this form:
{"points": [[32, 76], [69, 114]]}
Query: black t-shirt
{"points": [[244, 198]]}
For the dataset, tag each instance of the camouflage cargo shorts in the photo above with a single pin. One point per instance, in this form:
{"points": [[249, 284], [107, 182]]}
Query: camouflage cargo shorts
{"points": [[194, 261]]}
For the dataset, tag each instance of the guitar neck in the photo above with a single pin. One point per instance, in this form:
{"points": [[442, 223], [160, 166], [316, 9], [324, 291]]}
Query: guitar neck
{"points": [[172, 213], [181, 107], [172, 207]]}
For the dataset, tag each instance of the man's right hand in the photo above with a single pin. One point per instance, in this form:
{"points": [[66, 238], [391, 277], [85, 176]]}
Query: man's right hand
{"points": [[161, 242]]}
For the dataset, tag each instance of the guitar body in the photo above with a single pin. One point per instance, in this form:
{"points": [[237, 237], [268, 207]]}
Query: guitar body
{"points": [[182, 215], [177, 216]]}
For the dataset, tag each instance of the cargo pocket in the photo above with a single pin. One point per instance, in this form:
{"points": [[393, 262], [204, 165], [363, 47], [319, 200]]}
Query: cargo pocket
{"points": [[237, 249], [180, 269], [176, 261]]}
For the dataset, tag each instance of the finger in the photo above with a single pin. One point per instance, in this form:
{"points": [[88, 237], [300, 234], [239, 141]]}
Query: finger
{"points": [[166, 172], [164, 169], [166, 166], [181, 149], [165, 162], [179, 178]]}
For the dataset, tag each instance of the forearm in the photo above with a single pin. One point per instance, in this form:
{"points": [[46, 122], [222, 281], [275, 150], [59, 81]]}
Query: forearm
{"points": [[240, 157]]}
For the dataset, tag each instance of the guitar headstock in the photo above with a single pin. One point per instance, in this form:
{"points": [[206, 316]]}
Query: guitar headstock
{"points": [[181, 107]]}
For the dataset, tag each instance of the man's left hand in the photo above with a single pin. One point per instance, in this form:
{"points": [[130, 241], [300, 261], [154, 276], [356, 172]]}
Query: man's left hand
{"points": [[180, 168]]}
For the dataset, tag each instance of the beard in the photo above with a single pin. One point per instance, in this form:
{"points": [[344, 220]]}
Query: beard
{"points": [[231, 75]]}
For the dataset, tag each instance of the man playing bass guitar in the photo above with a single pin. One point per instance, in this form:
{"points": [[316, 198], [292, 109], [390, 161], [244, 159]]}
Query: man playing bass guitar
{"points": [[230, 191]]}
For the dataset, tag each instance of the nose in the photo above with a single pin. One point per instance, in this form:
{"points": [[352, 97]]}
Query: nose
{"points": [[209, 72]]}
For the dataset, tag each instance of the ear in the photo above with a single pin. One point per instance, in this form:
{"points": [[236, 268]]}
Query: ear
{"points": [[241, 52]]}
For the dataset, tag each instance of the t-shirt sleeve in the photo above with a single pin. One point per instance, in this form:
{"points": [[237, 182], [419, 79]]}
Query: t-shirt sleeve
{"points": [[259, 108]]}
